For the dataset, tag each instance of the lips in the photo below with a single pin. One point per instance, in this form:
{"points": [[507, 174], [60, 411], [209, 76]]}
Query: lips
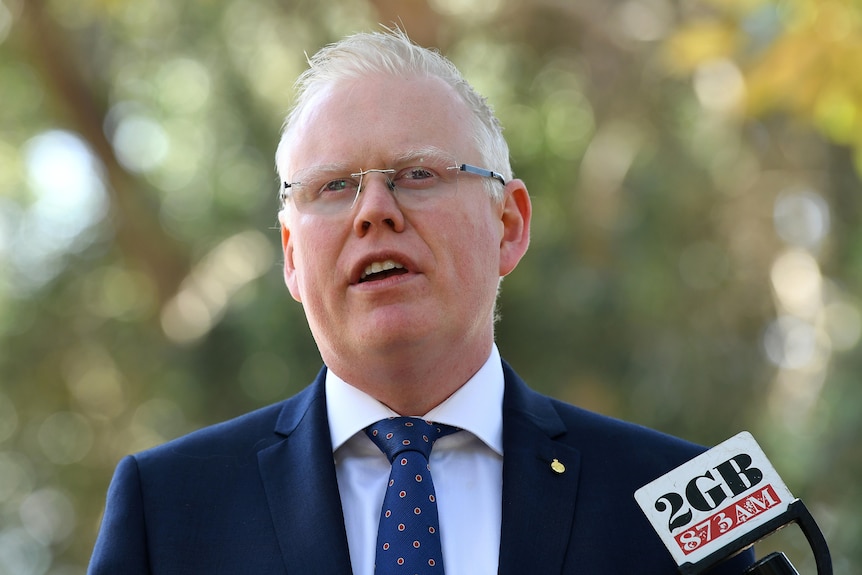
{"points": [[378, 270]]}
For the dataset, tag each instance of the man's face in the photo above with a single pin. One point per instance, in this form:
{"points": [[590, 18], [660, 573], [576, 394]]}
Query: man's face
{"points": [[449, 253]]}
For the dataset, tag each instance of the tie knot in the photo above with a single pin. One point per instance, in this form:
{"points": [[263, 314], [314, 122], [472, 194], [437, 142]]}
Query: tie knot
{"points": [[399, 434]]}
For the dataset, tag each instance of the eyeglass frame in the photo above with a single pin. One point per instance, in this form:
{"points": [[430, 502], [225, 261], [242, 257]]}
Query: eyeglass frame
{"points": [[468, 168]]}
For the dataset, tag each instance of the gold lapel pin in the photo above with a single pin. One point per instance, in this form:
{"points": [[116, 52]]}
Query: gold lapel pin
{"points": [[557, 466]]}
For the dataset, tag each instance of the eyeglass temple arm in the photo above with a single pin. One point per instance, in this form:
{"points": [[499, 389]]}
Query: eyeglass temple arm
{"points": [[283, 192], [482, 172]]}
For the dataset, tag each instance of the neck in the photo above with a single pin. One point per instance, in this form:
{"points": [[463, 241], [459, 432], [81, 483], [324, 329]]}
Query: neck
{"points": [[412, 384]]}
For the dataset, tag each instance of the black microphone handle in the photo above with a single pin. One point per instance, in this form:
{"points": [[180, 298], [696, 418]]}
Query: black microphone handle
{"points": [[775, 563]]}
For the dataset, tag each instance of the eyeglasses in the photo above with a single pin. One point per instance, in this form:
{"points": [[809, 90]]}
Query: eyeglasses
{"points": [[323, 193]]}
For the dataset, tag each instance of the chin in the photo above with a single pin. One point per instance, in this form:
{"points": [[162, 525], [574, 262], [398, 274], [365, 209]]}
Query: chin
{"points": [[393, 333]]}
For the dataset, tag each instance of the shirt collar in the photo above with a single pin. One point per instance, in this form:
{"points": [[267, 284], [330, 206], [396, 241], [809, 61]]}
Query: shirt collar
{"points": [[476, 407]]}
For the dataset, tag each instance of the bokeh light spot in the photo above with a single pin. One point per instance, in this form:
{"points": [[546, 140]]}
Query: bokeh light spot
{"points": [[140, 142], [65, 179], [719, 85], [48, 516], [797, 282], [21, 554], [801, 217]]}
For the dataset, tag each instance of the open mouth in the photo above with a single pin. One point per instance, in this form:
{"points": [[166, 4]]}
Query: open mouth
{"points": [[381, 270]]}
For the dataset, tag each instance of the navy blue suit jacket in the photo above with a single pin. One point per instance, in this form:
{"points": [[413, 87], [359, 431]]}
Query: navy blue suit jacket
{"points": [[258, 494]]}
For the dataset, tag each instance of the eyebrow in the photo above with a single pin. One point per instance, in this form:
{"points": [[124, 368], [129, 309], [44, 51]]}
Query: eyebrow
{"points": [[432, 153], [314, 172]]}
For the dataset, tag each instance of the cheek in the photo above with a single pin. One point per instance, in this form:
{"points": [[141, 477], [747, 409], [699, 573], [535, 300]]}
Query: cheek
{"points": [[308, 261], [473, 249], [313, 263]]}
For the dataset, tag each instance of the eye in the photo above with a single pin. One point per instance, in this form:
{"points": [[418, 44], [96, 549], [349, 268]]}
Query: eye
{"points": [[416, 177], [338, 187], [419, 173]]}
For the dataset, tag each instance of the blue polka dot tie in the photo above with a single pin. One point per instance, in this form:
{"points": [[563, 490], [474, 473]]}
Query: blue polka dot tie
{"points": [[408, 538]]}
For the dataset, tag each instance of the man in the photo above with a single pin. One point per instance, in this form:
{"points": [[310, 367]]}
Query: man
{"points": [[400, 216]]}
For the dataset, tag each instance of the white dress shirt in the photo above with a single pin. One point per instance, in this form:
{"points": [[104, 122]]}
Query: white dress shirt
{"points": [[466, 467]]}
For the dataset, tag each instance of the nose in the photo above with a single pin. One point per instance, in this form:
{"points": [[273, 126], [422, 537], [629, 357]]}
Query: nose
{"points": [[376, 205]]}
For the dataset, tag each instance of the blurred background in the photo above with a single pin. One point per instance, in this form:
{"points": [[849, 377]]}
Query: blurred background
{"points": [[696, 263]]}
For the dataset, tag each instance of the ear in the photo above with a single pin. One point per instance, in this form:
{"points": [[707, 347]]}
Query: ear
{"points": [[290, 276], [515, 217]]}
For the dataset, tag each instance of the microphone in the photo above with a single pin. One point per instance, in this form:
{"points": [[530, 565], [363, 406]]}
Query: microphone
{"points": [[724, 501], [775, 563]]}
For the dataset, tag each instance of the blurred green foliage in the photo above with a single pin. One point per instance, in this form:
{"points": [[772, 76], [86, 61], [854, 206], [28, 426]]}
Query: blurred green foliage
{"points": [[696, 263]]}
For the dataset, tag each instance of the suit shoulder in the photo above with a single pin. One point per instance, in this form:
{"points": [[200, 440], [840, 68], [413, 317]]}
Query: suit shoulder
{"points": [[641, 446], [223, 437], [617, 429], [557, 416]]}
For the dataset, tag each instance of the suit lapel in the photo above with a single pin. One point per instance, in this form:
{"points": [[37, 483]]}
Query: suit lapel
{"points": [[299, 479], [538, 494]]}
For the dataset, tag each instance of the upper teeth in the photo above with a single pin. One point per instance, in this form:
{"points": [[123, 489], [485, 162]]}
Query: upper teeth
{"points": [[378, 267]]}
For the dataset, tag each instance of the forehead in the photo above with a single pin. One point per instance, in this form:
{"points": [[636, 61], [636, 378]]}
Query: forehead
{"points": [[375, 120]]}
